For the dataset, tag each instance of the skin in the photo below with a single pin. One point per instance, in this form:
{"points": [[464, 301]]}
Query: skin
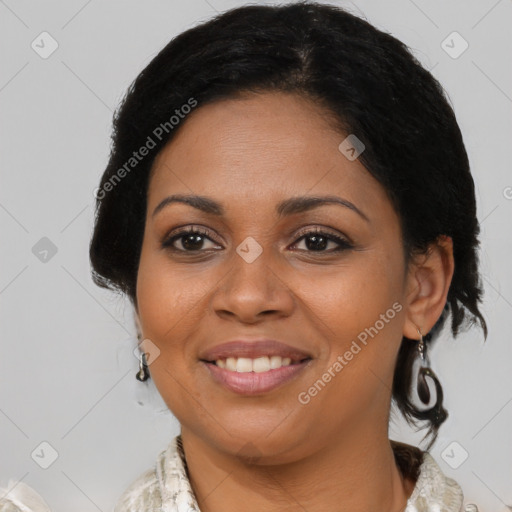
{"points": [[270, 452]]}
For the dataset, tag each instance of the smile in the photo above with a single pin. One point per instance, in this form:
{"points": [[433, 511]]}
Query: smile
{"points": [[254, 376], [254, 366]]}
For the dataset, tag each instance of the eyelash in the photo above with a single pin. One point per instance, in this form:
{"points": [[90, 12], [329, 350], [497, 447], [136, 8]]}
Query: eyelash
{"points": [[343, 244]]}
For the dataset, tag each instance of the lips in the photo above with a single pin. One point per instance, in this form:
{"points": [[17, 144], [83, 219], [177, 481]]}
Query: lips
{"points": [[253, 367], [253, 349], [252, 383]]}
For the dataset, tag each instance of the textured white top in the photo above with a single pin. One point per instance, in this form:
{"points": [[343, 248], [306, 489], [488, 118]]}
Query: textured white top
{"points": [[166, 488]]}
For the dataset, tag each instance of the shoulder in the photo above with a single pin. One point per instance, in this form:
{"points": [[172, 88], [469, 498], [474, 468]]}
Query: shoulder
{"points": [[20, 497], [143, 492], [165, 485], [433, 490]]}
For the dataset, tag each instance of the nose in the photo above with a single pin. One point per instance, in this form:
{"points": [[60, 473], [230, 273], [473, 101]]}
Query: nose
{"points": [[253, 289]]}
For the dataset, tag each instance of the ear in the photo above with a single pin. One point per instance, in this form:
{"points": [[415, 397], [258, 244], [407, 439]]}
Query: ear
{"points": [[428, 281]]}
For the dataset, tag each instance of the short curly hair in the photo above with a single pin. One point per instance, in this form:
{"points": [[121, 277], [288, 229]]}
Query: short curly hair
{"points": [[371, 84]]}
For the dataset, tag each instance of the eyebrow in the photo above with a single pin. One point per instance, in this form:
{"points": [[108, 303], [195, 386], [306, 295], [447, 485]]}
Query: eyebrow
{"points": [[284, 208]]}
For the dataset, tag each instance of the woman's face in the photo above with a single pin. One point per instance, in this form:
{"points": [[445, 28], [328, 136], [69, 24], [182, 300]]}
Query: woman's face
{"points": [[258, 271]]}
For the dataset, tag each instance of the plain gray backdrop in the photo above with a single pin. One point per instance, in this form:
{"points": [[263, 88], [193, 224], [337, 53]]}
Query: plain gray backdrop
{"points": [[67, 368]]}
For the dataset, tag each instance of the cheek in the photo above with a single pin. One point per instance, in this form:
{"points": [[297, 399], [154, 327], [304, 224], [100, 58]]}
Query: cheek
{"points": [[166, 302], [164, 294], [171, 304], [362, 309], [352, 297]]}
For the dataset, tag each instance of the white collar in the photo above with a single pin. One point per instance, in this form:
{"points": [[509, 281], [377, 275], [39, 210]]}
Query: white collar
{"points": [[166, 487], [433, 492]]}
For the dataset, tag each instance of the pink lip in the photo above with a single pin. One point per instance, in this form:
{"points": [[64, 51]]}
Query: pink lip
{"points": [[253, 349], [253, 383]]}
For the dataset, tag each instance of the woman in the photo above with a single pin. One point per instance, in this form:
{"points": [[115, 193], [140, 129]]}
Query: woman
{"points": [[289, 207]]}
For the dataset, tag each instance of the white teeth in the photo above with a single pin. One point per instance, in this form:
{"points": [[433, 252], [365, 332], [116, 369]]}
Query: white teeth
{"points": [[258, 365], [261, 364], [275, 362], [244, 364]]}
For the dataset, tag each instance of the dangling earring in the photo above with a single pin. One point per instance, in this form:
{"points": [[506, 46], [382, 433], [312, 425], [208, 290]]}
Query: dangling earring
{"points": [[143, 374], [436, 413], [421, 381], [424, 370]]}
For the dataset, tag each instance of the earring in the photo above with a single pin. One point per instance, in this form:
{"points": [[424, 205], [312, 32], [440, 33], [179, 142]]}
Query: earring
{"points": [[143, 374], [424, 371], [436, 413]]}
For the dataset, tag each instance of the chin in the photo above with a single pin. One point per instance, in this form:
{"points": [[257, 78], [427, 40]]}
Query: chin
{"points": [[264, 445]]}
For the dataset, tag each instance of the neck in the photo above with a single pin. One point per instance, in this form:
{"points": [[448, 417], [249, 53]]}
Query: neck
{"points": [[356, 473]]}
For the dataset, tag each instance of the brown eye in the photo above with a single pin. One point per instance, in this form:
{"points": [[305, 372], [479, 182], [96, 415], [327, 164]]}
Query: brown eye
{"points": [[191, 240], [317, 240]]}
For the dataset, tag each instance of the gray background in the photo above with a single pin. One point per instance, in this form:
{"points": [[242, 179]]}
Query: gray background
{"points": [[67, 367]]}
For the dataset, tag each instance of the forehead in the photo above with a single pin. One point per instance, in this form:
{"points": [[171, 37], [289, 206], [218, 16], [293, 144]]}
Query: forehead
{"points": [[261, 148]]}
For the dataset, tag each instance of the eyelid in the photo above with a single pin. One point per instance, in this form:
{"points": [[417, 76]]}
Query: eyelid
{"points": [[185, 228], [323, 230], [181, 231]]}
